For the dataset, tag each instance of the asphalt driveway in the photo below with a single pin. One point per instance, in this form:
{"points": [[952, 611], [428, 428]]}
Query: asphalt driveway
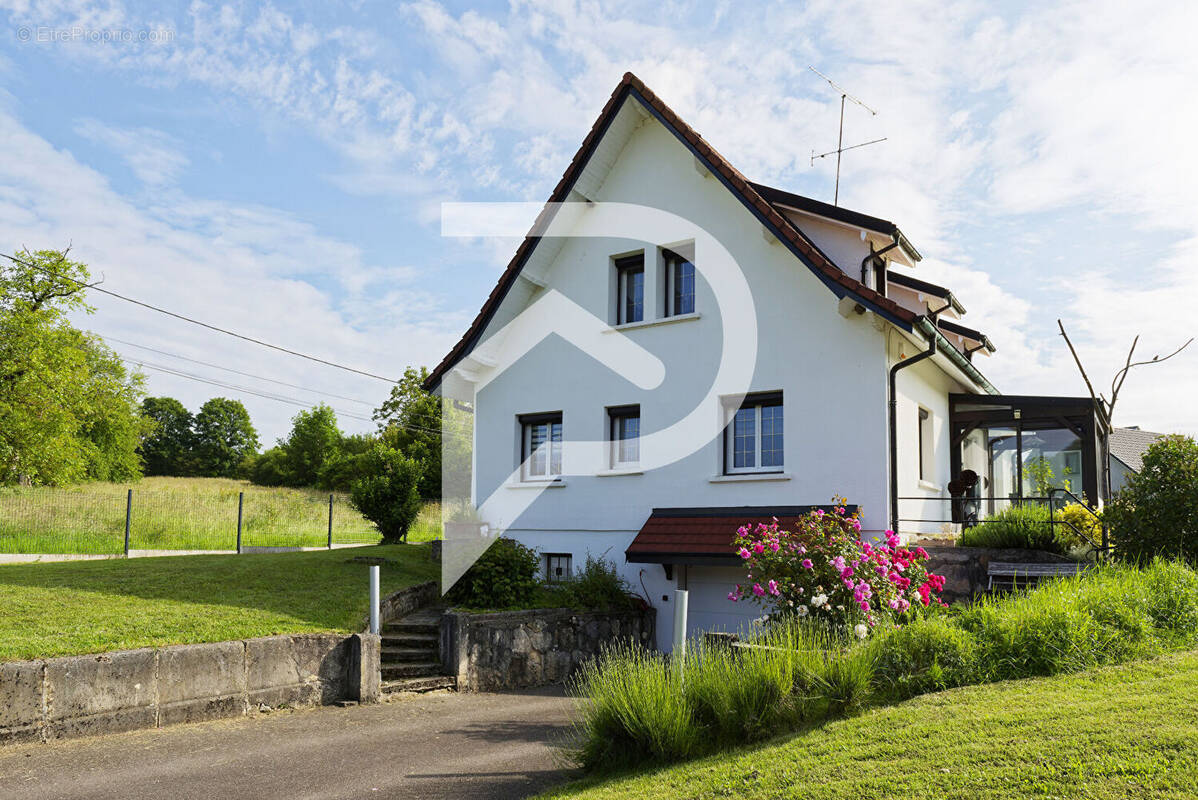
{"points": [[441, 745]]}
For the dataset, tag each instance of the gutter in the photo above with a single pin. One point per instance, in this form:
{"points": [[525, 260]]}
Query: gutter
{"points": [[894, 371], [929, 330]]}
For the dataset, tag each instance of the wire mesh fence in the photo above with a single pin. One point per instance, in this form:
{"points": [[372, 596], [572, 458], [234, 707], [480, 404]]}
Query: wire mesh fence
{"points": [[175, 515]]}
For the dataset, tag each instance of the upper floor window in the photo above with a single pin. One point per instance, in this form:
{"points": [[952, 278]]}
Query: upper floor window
{"points": [[541, 446], [927, 446], [625, 435], [680, 284], [753, 440], [630, 289]]}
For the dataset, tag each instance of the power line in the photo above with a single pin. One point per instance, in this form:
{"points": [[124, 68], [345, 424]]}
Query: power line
{"points": [[223, 385], [210, 327], [237, 372]]}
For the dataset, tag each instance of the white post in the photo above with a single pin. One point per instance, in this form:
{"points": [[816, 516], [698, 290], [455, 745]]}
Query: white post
{"points": [[679, 648], [374, 599]]}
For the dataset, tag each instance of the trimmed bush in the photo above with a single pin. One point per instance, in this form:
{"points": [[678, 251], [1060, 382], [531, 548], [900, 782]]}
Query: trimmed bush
{"points": [[386, 494], [505, 576], [1156, 513], [1025, 527], [599, 587]]}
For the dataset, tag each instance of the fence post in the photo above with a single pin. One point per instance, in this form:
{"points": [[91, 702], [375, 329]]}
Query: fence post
{"points": [[374, 599], [330, 522], [128, 519], [240, 502]]}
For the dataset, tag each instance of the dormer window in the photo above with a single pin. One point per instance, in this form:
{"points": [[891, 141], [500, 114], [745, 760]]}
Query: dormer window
{"points": [[680, 284], [630, 289]]}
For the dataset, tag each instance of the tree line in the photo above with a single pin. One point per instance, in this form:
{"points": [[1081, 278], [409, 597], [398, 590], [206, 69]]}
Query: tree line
{"points": [[70, 411]]}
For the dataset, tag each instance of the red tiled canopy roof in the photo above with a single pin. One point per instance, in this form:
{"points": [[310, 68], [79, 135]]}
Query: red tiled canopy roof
{"points": [[704, 535]]}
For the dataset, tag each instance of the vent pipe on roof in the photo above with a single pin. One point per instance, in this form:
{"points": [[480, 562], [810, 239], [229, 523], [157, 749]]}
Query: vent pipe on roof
{"points": [[894, 371]]}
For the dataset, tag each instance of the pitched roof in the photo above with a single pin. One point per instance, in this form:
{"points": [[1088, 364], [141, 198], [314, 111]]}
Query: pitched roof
{"points": [[968, 333], [908, 282], [705, 535], [789, 235], [822, 209], [1128, 445]]}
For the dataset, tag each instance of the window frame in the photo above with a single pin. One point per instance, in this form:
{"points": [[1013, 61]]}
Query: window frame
{"points": [[673, 261], [756, 401], [548, 566], [527, 423], [626, 268], [925, 435], [616, 416]]}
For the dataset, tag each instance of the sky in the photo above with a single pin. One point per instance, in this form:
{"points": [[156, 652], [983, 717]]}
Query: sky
{"points": [[278, 169]]}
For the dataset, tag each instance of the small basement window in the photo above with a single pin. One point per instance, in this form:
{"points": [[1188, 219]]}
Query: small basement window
{"points": [[558, 567]]}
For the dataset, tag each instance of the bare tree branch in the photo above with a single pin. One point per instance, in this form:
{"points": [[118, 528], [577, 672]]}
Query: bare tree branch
{"points": [[1099, 401]]}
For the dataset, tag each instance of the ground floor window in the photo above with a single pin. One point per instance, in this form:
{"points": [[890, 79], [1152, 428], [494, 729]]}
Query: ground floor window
{"points": [[753, 440]]}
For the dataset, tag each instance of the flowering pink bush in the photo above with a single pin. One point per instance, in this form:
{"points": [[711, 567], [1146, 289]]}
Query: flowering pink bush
{"points": [[823, 570]]}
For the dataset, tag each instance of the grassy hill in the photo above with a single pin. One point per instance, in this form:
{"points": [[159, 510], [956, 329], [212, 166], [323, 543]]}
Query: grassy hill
{"points": [[1120, 732], [181, 514], [93, 606]]}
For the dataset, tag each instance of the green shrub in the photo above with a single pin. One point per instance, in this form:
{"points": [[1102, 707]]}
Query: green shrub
{"points": [[1156, 513], [925, 656], [1075, 519], [599, 587], [1172, 599], [1025, 527], [386, 493], [505, 576], [632, 710]]}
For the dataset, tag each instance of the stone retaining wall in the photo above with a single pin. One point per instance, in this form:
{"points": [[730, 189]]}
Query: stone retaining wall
{"points": [[148, 688], [522, 649], [964, 568]]}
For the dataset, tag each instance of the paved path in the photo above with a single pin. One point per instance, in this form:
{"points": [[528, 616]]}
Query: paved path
{"points": [[441, 745]]}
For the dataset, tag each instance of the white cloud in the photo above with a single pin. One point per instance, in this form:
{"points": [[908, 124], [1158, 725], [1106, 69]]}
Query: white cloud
{"points": [[153, 156]]}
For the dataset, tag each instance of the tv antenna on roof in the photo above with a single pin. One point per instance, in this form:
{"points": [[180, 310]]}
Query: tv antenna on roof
{"points": [[840, 148]]}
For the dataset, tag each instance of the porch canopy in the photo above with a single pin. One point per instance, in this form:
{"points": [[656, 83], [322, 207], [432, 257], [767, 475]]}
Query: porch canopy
{"points": [[1023, 447], [705, 536]]}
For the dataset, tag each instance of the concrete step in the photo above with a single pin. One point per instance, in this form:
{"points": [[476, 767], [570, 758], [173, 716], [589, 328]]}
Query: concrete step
{"points": [[410, 669], [427, 684], [408, 627], [394, 655], [429, 640]]}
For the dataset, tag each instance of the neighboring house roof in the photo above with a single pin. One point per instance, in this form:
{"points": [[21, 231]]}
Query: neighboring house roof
{"points": [[790, 236], [822, 209], [1128, 445], [705, 535], [916, 284]]}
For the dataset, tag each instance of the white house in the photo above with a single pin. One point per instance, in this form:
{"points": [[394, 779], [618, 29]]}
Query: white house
{"points": [[864, 382]]}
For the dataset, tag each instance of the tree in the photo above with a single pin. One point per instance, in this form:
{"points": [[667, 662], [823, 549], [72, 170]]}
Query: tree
{"points": [[224, 437], [387, 494], [410, 421], [167, 449], [1156, 513], [68, 406], [314, 440]]}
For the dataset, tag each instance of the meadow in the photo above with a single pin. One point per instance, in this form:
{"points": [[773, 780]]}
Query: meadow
{"points": [[183, 514]]}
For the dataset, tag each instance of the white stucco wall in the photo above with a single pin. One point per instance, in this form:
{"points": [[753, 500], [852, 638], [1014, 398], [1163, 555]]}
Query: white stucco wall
{"points": [[830, 368]]}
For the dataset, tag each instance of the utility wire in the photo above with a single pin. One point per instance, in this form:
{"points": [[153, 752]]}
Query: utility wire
{"points": [[94, 287], [237, 372]]}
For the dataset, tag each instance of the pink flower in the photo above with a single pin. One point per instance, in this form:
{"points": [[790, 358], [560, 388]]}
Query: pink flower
{"points": [[743, 553], [864, 605], [774, 546], [773, 587], [758, 548], [806, 562], [838, 562], [733, 596], [757, 590]]}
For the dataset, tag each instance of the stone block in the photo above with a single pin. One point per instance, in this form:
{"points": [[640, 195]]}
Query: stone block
{"points": [[201, 672], [118, 686], [20, 699], [364, 682], [281, 661]]}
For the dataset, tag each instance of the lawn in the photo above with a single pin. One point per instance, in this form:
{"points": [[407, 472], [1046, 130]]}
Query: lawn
{"points": [[92, 606], [1119, 732], [182, 514]]}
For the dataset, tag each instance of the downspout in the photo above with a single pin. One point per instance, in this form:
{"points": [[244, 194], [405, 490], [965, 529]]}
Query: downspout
{"points": [[894, 370], [873, 255]]}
